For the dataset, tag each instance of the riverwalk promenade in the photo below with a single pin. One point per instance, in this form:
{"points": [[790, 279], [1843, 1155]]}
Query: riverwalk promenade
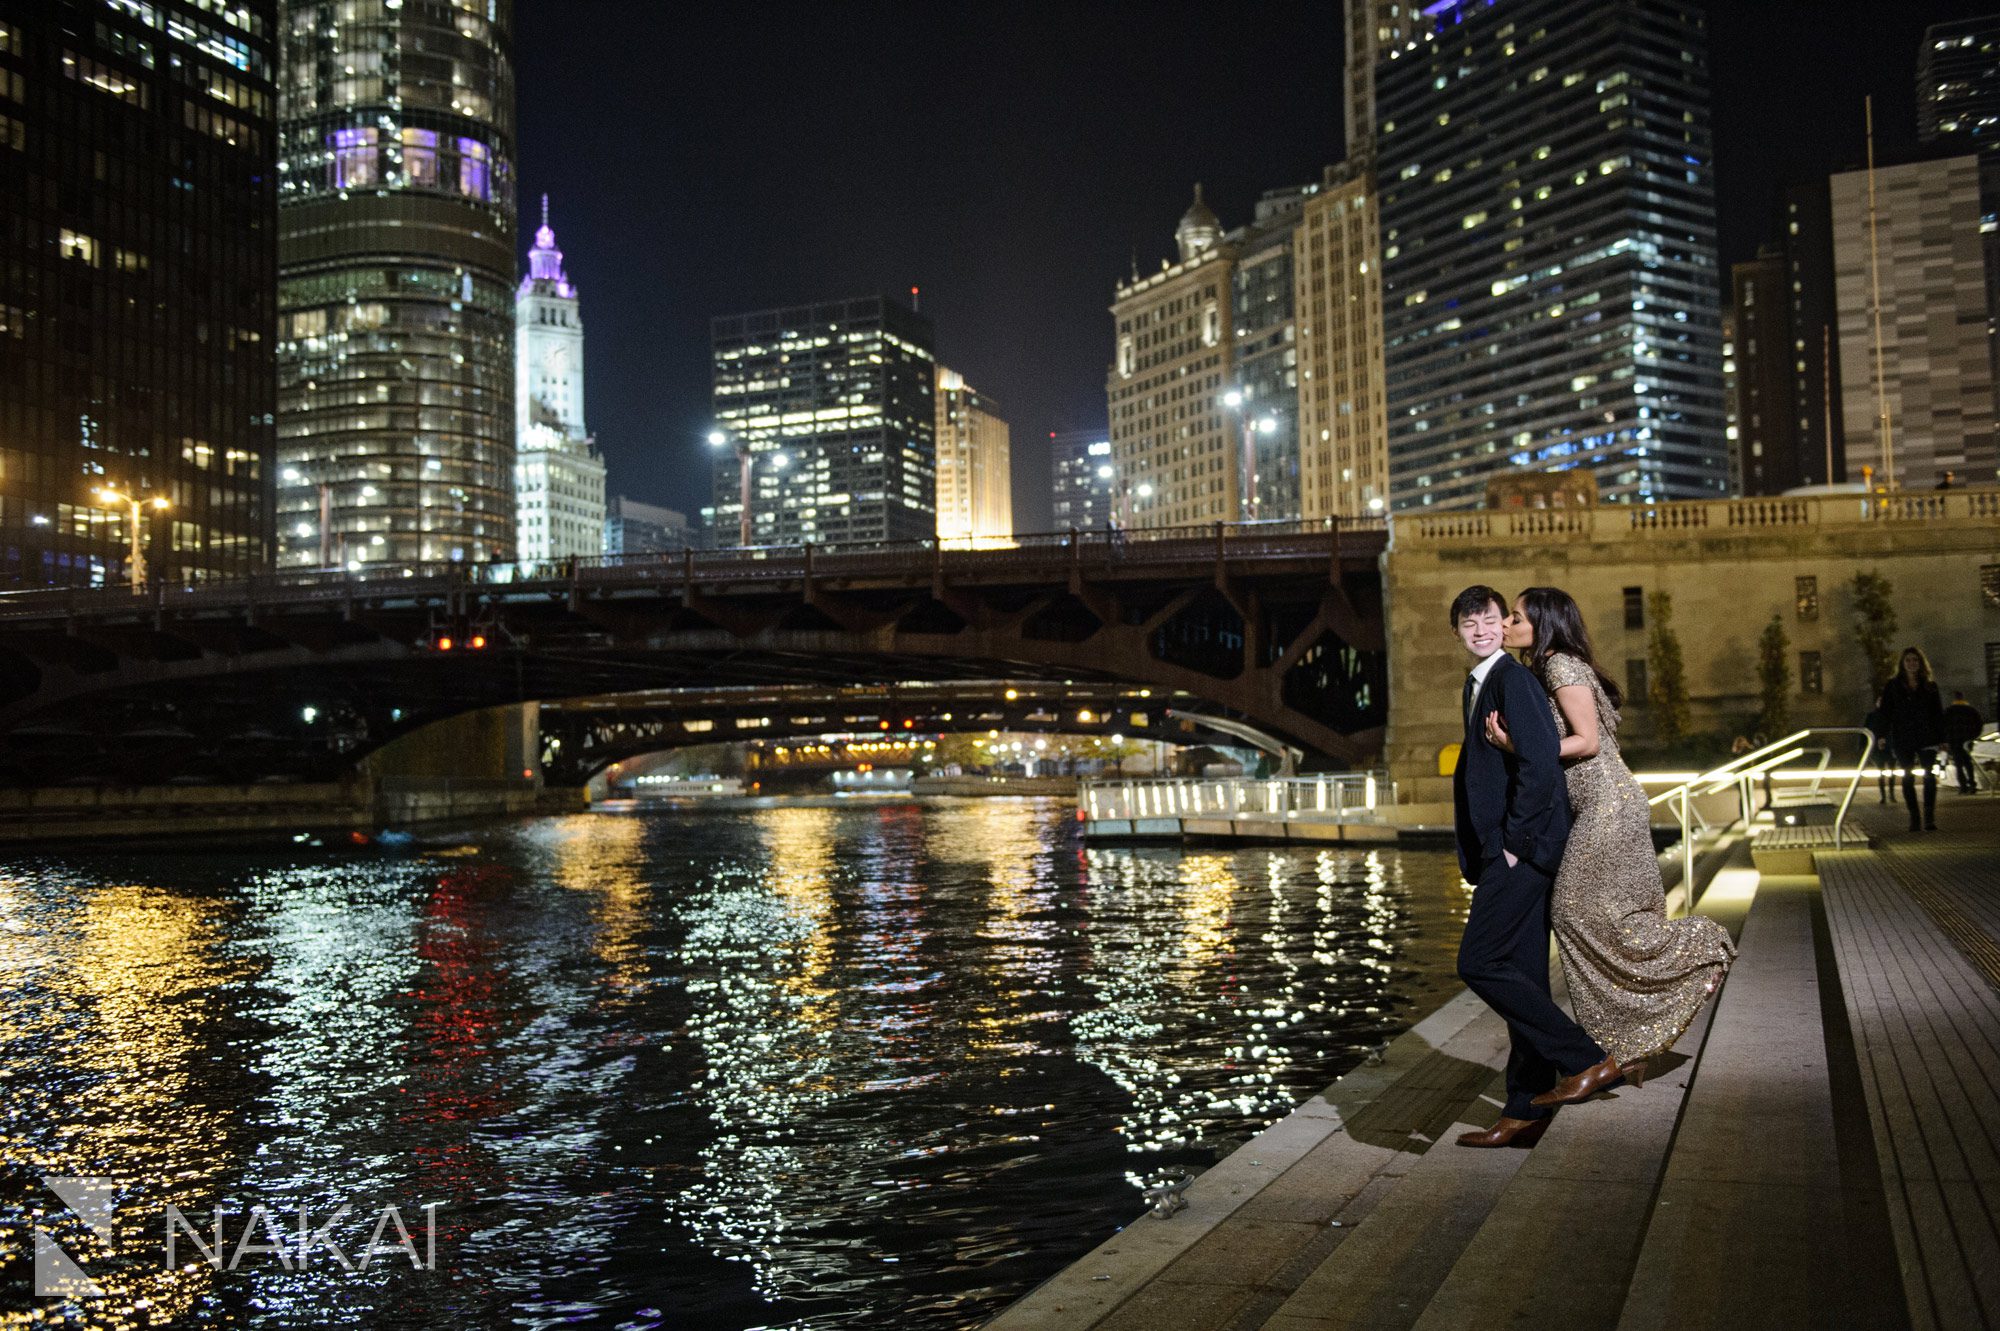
{"points": [[1822, 1148]]}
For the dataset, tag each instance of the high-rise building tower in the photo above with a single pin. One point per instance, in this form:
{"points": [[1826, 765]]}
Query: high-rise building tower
{"points": [[396, 250], [634, 528], [1549, 257], [1815, 326], [1248, 384], [1262, 400], [1343, 429], [137, 321], [558, 474], [1958, 109], [1080, 465], [1767, 409], [833, 404], [1374, 27], [975, 470], [1175, 459], [1933, 374], [1958, 84]]}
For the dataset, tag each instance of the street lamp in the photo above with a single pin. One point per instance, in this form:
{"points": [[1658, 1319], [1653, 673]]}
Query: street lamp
{"points": [[719, 439], [135, 506], [1239, 402]]}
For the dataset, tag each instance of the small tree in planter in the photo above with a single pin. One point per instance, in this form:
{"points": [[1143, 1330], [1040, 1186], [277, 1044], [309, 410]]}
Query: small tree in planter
{"points": [[1875, 627], [1774, 679], [1666, 676]]}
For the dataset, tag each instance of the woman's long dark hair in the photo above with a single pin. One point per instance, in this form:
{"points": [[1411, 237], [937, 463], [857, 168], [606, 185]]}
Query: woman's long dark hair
{"points": [[1558, 624], [1924, 675]]}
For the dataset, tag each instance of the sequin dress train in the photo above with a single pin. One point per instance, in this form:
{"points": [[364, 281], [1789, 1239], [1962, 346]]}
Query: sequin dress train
{"points": [[1635, 977]]}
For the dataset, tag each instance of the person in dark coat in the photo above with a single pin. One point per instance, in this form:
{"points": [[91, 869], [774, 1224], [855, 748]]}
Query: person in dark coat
{"points": [[1512, 816], [1962, 724], [1915, 713], [1878, 726]]}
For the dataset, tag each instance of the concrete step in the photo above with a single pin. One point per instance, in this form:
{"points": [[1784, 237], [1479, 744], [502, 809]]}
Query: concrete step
{"points": [[1738, 1235], [1559, 1245], [1381, 1275], [1262, 1219]]}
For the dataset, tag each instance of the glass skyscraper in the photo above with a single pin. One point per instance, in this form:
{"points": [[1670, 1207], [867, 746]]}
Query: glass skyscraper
{"points": [[396, 291], [1080, 465], [1550, 288], [835, 403], [136, 298]]}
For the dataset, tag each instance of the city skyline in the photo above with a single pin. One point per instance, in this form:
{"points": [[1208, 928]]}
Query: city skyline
{"points": [[738, 217]]}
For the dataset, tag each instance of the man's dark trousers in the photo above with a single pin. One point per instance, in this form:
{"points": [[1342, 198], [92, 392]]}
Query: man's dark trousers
{"points": [[1516, 802], [1504, 958]]}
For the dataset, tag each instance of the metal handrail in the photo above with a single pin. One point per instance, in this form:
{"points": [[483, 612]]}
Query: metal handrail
{"points": [[1335, 796], [1741, 770]]}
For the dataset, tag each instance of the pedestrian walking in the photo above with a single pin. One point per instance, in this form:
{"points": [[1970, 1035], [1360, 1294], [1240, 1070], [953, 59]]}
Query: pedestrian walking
{"points": [[1962, 724], [1878, 725], [1915, 714]]}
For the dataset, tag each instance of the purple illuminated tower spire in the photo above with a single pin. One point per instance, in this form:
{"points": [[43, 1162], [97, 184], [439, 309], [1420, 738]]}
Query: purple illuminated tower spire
{"points": [[545, 262]]}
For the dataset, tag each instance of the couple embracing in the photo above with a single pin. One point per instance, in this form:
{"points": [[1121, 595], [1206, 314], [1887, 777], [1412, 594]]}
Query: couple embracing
{"points": [[1554, 829]]}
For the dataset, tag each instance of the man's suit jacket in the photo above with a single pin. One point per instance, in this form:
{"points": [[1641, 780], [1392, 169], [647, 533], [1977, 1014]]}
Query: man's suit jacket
{"points": [[1515, 801]]}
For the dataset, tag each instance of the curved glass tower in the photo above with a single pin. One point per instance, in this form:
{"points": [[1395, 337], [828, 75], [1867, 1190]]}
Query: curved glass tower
{"points": [[396, 292]]}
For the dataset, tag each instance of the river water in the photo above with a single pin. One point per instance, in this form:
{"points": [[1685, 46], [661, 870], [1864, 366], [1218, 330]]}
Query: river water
{"points": [[801, 1066]]}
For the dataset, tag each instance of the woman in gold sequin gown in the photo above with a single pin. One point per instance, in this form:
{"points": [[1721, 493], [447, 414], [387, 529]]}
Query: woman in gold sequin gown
{"points": [[1635, 977]]}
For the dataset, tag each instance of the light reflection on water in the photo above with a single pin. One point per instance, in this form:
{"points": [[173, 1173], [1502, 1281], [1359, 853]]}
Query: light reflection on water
{"points": [[784, 1067]]}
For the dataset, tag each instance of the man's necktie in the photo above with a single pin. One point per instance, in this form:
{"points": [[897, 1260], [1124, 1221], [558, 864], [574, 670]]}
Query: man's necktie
{"points": [[1470, 683]]}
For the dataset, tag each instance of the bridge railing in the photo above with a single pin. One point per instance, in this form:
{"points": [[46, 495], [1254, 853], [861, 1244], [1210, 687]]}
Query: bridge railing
{"points": [[1333, 797], [1097, 547]]}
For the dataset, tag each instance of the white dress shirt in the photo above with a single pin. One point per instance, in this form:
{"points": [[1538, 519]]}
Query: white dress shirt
{"points": [[1479, 674]]}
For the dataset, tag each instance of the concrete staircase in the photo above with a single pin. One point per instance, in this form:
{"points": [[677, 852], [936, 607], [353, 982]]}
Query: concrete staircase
{"points": [[1727, 1192]]}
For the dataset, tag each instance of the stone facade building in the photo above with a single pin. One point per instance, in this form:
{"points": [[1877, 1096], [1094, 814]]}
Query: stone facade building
{"points": [[1729, 566], [1171, 448], [1343, 423], [975, 471], [558, 472]]}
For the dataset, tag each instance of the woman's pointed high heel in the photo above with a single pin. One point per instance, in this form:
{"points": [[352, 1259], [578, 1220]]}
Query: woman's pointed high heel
{"points": [[1634, 1073]]}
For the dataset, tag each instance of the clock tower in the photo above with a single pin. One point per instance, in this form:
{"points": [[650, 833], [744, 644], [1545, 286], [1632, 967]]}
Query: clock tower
{"points": [[558, 474]]}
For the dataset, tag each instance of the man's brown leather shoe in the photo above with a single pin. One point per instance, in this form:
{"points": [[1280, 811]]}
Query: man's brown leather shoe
{"points": [[1583, 1085], [1509, 1132]]}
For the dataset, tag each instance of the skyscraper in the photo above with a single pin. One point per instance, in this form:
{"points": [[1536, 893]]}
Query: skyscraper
{"points": [[1935, 380], [1549, 259], [1373, 28], [1767, 410], [1958, 84], [1175, 459], [833, 404], [1248, 381], [1343, 429], [1262, 399], [1080, 465], [975, 472], [1816, 392], [396, 248], [1958, 109], [136, 314], [633, 528], [558, 474]]}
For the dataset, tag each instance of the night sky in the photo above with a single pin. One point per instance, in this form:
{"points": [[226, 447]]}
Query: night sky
{"points": [[1012, 161]]}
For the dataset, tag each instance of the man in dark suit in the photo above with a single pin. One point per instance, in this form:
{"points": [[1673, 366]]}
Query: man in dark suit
{"points": [[1512, 814]]}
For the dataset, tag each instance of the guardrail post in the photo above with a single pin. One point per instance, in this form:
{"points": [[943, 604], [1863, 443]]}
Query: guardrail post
{"points": [[1687, 855]]}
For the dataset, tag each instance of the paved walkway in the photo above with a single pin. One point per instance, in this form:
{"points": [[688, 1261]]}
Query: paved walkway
{"points": [[1825, 1153]]}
